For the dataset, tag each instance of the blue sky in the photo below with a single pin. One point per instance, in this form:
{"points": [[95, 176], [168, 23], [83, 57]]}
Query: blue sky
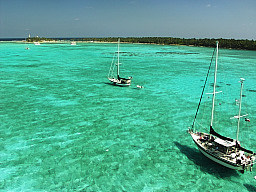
{"points": [[129, 18]]}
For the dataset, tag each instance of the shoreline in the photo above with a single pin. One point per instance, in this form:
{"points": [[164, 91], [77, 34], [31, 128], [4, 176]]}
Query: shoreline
{"points": [[99, 42], [68, 42], [111, 42]]}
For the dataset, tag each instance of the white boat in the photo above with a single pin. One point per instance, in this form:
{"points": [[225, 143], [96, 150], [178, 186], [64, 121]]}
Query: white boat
{"points": [[139, 86], [222, 150], [37, 43], [73, 43], [116, 79]]}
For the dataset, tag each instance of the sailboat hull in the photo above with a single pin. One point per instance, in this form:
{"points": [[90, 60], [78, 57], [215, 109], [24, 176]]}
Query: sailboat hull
{"points": [[219, 161], [230, 161], [121, 83]]}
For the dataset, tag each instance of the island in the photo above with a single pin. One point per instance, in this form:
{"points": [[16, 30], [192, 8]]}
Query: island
{"points": [[244, 44]]}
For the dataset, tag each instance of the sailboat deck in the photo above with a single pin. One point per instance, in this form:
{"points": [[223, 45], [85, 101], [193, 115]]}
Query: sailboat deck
{"points": [[235, 158]]}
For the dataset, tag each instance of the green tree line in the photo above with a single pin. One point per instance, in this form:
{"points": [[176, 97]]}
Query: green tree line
{"points": [[37, 39], [224, 43]]}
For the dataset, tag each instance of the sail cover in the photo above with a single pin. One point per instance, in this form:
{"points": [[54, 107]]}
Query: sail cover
{"points": [[218, 135]]}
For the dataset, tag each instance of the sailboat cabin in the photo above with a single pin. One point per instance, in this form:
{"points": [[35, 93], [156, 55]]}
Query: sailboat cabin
{"points": [[225, 146]]}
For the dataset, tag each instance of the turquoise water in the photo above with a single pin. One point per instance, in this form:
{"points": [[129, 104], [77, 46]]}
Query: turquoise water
{"points": [[64, 128]]}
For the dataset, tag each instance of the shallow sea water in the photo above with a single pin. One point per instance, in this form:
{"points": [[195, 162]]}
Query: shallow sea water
{"points": [[64, 128]]}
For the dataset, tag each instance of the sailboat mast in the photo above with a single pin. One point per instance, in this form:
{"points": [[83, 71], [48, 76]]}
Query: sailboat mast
{"points": [[240, 106], [215, 80], [118, 59]]}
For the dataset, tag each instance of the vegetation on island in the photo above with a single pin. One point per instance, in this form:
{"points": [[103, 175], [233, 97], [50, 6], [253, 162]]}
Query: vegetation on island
{"points": [[38, 39], [224, 43]]}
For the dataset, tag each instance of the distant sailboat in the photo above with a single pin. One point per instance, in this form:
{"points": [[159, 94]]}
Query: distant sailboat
{"points": [[117, 80], [223, 150]]}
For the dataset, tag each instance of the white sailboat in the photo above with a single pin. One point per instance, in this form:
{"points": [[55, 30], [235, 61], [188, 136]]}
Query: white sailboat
{"points": [[117, 80], [223, 150], [37, 43]]}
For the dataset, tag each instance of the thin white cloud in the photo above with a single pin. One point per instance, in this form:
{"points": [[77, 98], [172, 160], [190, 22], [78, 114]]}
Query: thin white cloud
{"points": [[208, 5]]}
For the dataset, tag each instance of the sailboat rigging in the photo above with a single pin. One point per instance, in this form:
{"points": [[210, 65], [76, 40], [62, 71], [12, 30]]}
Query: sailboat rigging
{"points": [[222, 150], [117, 80]]}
